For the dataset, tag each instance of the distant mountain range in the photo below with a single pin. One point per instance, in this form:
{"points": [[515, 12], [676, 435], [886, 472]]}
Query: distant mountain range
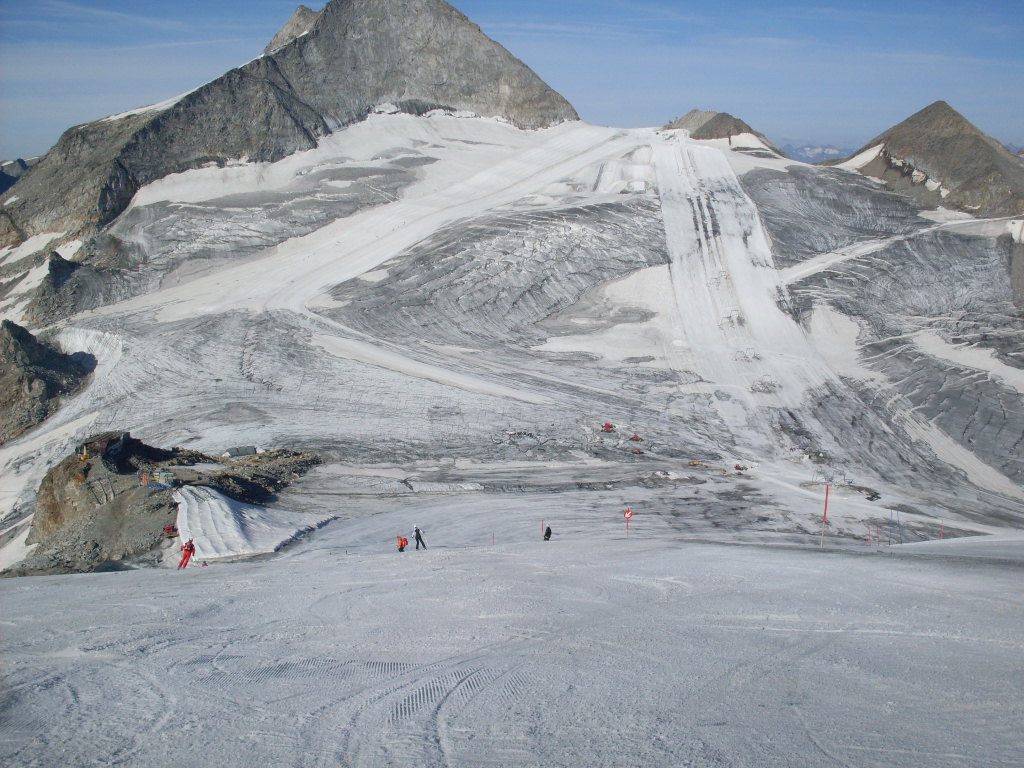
{"points": [[811, 153]]}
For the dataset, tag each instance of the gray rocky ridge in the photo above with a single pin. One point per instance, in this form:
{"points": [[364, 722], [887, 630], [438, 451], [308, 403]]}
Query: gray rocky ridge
{"points": [[416, 54], [937, 156], [93, 513]]}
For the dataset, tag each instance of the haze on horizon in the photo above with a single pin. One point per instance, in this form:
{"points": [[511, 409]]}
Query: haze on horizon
{"points": [[838, 74]]}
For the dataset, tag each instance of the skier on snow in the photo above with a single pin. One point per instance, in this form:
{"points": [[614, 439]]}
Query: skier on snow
{"points": [[419, 537], [189, 549]]}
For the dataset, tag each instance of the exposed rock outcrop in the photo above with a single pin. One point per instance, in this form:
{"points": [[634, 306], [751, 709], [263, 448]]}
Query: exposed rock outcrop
{"points": [[11, 171], [416, 54], [938, 157], [93, 512], [68, 287], [704, 125], [33, 379]]}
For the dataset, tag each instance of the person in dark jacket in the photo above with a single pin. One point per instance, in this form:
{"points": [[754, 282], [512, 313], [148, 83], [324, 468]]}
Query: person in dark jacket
{"points": [[419, 537], [547, 533]]}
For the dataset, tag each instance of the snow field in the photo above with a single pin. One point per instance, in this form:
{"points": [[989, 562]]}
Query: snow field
{"points": [[588, 650], [713, 309]]}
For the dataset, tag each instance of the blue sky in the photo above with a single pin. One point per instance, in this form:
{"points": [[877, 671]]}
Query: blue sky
{"points": [[838, 73]]}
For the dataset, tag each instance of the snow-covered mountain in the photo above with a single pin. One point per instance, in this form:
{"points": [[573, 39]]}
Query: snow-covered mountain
{"points": [[422, 289], [388, 249], [416, 54]]}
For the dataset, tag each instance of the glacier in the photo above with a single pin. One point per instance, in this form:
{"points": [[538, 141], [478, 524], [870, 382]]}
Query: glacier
{"points": [[446, 309]]}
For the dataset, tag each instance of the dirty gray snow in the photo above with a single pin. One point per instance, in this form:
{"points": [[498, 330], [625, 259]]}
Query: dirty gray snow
{"points": [[446, 309]]}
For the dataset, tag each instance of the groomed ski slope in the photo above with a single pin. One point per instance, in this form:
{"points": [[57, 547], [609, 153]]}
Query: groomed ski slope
{"points": [[590, 650], [356, 245]]}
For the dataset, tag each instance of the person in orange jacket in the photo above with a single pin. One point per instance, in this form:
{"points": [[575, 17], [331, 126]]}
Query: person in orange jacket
{"points": [[402, 543], [189, 549]]}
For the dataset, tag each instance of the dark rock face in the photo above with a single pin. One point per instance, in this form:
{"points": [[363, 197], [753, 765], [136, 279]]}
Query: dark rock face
{"points": [[33, 378], [356, 54], [10, 172], [940, 146], [68, 287]]}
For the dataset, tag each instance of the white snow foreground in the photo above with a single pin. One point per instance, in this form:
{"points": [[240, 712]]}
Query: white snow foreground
{"points": [[588, 650], [223, 528]]}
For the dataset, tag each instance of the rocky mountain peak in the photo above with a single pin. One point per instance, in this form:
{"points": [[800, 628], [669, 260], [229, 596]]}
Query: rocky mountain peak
{"points": [[704, 125], [940, 157], [299, 24], [11, 171], [19, 348], [415, 54]]}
